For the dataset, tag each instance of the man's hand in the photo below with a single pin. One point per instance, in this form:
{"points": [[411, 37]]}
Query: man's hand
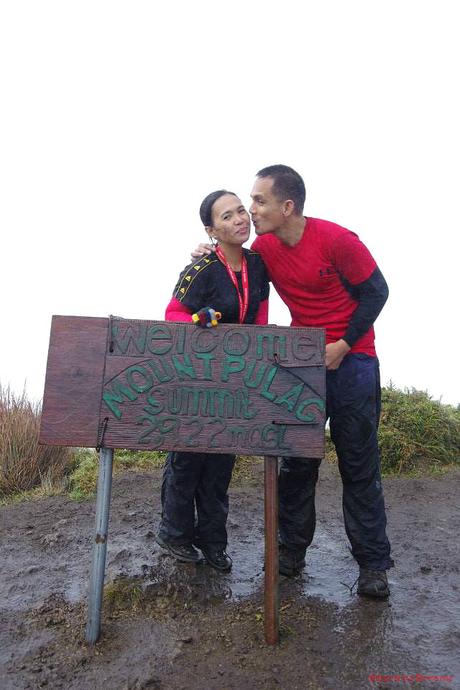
{"points": [[202, 250], [335, 352]]}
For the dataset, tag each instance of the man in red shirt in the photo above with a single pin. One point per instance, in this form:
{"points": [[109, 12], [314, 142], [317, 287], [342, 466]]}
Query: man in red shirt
{"points": [[328, 279]]}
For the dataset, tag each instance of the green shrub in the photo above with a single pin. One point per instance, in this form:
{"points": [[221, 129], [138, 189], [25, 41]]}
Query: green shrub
{"points": [[417, 431]]}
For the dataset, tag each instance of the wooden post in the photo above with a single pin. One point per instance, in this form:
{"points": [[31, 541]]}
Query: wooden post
{"points": [[271, 618], [96, 585]]}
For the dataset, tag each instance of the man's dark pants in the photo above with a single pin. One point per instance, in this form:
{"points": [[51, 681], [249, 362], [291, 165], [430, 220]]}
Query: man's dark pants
{"points": [[198, 480], [353, 409]]}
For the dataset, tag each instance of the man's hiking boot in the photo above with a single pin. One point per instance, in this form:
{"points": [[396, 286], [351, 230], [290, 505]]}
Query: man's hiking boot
{"points": [[373, 583], [290, 562], [217, 558], [185, 553]]}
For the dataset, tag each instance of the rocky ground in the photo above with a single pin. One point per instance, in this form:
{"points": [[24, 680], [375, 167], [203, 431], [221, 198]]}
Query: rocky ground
{"points": [[173, 626]]}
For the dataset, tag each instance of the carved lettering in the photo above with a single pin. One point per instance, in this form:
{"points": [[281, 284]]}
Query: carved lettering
{"points": [[161, 334], [303, 347], [184, 367], [309, 417], [231, 365], [199, 388], [139, 378], [125, 335], [236, 342], [204, 340], [116, 395], [269, 345]]}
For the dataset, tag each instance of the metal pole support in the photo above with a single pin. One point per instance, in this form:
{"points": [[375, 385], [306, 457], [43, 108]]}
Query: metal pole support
{"points": [[96, 585], [271, 618]]}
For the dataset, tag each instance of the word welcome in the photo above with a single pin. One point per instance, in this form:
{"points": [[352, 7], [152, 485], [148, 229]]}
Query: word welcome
{"points": [[160, 339]]}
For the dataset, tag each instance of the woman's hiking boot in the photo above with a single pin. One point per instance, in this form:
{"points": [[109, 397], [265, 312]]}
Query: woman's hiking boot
{"points": [[373, 583], [185, 553], [291, 562], [217, 558]]}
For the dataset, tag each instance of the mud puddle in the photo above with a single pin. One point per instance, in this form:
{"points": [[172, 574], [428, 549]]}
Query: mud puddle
{"points": [[186, 626]]}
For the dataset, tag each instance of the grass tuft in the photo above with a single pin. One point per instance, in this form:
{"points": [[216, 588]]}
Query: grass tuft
{"points": [[245, 469], [24, 463], [123, 594], [83, 480]]}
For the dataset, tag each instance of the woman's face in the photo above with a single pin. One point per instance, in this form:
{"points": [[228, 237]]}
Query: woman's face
{"points": [[230, 221]]}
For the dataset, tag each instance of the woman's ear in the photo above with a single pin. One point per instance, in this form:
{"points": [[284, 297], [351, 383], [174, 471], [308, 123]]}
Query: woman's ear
{"points": [[210, 232]]}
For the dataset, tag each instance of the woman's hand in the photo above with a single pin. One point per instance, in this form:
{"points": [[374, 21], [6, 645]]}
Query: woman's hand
{"points": [[206, 317]]}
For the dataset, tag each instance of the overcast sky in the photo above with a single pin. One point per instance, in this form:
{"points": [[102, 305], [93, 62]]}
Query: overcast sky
{"points": [[117, 118]]}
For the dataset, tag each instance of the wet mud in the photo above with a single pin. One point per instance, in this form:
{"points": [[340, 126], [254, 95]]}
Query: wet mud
{"points": [[171, 626]]}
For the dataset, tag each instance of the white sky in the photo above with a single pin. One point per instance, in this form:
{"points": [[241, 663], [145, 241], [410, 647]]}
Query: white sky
{"points": [[117, 118]]}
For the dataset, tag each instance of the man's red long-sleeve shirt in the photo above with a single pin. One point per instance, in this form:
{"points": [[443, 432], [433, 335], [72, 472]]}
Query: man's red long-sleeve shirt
{"points": [[329, 280]]}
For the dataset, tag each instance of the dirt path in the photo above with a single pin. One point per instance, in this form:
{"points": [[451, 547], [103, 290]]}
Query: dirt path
{"points": [[190, 627]]}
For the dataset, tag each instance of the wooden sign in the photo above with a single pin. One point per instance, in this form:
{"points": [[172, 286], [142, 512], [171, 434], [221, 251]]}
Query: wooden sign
{"points": [[122, 383]]}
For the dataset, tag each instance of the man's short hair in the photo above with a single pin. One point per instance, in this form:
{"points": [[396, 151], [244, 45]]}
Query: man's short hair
{"points": [[287, 184]]}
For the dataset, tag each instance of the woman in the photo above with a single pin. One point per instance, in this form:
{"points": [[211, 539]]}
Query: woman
{"points": [[233, 281]]}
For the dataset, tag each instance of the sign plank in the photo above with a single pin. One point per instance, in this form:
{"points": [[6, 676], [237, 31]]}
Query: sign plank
{"points": [[258, 390], [73, 386]]}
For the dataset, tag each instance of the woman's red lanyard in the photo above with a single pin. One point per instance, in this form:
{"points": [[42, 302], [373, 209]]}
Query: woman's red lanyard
{"points": [[243, 301]]}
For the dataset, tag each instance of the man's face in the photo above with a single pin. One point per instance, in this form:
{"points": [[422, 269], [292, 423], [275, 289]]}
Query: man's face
{"points": [[266, 210]]}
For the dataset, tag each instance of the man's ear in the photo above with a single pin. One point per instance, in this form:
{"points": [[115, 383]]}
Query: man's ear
{"points": [[288, 208]]}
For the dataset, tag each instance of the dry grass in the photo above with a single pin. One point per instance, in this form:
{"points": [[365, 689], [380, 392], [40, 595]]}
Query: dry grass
{"points": [[24, 464]]}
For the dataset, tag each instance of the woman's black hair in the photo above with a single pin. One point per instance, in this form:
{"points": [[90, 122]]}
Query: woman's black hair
{"points": [[207, 204]]}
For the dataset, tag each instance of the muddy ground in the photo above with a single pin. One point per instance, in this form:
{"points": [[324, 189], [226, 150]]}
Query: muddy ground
{"points": [[172, 626]]}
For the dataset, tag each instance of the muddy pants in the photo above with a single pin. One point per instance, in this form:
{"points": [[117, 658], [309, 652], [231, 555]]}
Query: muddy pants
{"points": [[196, 480], [353, 408]]}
